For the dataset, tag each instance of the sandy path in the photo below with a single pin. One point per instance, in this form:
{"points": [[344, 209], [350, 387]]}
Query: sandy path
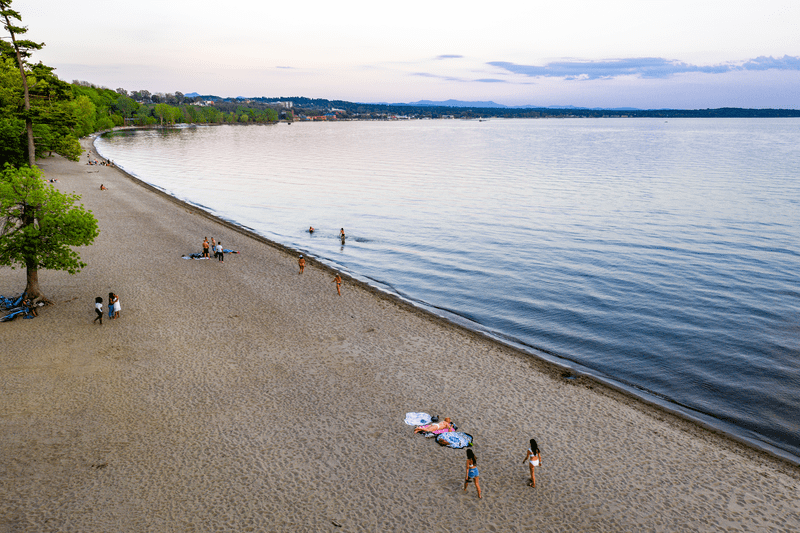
{"points": [[244, 397]]}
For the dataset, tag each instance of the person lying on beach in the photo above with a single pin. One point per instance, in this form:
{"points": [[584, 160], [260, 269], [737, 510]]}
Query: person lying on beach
{"points": [[445, 424]]}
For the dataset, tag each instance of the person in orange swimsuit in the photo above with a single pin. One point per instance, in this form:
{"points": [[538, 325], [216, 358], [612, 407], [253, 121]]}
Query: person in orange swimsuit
{"points": [[338, 281], [302, 263]]}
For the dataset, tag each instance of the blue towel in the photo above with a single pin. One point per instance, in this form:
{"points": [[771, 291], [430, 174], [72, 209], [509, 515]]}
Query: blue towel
{"points": [[455, 439]]}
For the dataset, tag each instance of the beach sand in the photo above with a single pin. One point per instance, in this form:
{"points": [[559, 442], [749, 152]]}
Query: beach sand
{"points": [[241, 396]]}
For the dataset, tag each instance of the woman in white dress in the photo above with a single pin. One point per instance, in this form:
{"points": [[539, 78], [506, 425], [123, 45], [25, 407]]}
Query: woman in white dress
{"points": [[116, 306]]}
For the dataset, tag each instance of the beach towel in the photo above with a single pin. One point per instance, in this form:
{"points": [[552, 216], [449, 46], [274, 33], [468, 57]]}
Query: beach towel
{"points": [[417, 419], [455, 439], [194, 256]]}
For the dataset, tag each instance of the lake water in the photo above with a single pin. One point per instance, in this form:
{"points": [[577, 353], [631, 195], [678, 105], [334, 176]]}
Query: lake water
{"points": [[661, 255]]}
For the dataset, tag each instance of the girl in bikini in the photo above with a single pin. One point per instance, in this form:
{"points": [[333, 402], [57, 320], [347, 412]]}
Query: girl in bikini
{"points": [[534, 458], [472, 472], [446, 424]]}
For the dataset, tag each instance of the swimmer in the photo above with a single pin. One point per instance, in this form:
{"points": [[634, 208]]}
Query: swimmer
{"points": [[302, 263], [341, 234], [311, 229]]}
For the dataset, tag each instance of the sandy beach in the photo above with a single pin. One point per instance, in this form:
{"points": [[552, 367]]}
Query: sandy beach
{"points": [[242, 396]]}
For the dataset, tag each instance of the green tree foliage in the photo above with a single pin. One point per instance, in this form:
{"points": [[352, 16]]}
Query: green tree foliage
{"points": [[35, 114], [13, 140], [51, 115], [84, 112], [162, 111], [39, 225], [125, 106]]}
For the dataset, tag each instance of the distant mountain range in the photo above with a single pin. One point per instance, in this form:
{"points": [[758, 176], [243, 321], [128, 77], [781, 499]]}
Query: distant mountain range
{"points": [[485, 105], [445, 103]]}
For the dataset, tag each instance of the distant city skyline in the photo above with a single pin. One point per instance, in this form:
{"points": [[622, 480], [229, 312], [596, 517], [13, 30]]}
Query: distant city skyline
{"points": [[647, 54]]}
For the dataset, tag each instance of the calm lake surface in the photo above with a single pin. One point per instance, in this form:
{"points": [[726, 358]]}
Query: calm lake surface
{"points": [[661, 255]]}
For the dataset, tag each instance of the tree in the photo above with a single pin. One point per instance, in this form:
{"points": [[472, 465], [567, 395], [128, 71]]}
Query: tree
{"points": [[84, 112], [22, 50], [50, 112], [126, 106], [175, 115], [38, 226], [162, 111]]}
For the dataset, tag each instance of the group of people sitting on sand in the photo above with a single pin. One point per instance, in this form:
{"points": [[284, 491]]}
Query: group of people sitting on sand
{"points": [[533, 456]]}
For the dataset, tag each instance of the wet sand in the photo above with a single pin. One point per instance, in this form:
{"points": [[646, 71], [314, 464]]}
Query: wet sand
{"points": [[241, 396]]}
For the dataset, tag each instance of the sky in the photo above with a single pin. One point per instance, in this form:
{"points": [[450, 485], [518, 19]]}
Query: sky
{"points": [[648, 54]]}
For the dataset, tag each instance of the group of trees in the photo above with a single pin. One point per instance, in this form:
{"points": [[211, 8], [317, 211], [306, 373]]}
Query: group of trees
{"points": [[41, 115], [39, 224]]}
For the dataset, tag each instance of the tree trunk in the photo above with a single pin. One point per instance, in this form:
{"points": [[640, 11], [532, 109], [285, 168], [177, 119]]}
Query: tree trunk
{"points": [[31, 145], [28, 122], [32, 288]]}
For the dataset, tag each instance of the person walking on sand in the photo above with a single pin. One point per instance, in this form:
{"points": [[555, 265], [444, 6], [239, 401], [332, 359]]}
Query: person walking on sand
{"points": [[116, 307], [98, 309], [302, 263], [205, 246], [338, 281], [110, 305], [534, 458], [220, 253], [472, 472]]}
